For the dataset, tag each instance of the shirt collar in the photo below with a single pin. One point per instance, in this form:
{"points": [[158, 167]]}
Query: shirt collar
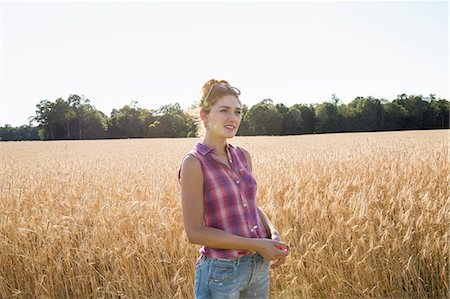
{"points": [[204, 149]]}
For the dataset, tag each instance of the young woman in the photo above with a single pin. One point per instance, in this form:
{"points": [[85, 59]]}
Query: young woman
{"points": [[218, 194]]}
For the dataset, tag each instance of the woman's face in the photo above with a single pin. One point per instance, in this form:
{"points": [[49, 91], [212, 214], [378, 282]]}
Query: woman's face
{"points": [[224, 118]]}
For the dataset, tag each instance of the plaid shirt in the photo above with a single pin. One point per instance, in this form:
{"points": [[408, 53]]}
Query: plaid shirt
{"points": [[229, 197]]}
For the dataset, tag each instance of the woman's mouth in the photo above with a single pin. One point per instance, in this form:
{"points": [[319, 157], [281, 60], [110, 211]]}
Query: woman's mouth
{"points": [[230, 127]]}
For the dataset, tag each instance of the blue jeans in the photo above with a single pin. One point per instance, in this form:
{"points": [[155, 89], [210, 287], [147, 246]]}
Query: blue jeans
{"points": [[243, 277]]}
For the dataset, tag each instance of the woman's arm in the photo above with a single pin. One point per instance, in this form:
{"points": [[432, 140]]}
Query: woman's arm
{"points": [[193, 212]]}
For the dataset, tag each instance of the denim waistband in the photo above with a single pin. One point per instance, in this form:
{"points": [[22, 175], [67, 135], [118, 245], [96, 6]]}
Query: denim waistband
{"points": [[236, 260]]}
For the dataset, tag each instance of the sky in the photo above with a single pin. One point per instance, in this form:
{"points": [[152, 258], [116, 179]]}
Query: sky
{"points": [[157, 53]]}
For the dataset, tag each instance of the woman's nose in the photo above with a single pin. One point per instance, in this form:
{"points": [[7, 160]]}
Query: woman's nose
{"points": [[233, 116]]}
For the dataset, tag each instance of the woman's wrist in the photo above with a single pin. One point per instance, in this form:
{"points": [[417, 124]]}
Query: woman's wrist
{"points": [[254, 244]]}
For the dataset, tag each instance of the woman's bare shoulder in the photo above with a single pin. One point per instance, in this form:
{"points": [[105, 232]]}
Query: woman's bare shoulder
{"points": [[191, 162], [191, 166]]}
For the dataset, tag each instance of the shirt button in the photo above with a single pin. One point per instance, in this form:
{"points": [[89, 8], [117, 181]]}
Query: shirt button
{"points": [[231, 160], [237, 182], [245, 205], [252, 230]]}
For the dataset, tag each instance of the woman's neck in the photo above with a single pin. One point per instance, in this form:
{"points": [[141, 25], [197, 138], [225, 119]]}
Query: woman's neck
{"points": [[219, 144]]}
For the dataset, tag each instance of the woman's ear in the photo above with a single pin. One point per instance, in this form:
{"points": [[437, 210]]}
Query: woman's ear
{"points": [[203, 115]]}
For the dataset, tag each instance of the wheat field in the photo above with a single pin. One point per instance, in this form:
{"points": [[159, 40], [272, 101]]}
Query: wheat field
{"points": [[366, 215]]}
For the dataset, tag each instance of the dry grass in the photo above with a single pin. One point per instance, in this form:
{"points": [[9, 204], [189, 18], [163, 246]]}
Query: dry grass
{"points": [[365, 214]]}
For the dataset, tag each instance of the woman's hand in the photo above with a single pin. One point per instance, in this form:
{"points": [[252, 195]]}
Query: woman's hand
{"points": [[271, 249], [276, 237]]}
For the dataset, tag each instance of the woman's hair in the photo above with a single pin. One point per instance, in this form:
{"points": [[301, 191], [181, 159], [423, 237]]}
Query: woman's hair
{"points": [[205, 104]]}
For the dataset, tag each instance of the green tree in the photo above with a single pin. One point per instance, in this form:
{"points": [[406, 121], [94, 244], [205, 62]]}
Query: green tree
{"points": [[126, 122], [244, 128], [308, 119], [292, 121], [442, 119], [366, 113], [87, 122], [54, 119], [74, 118], [264, 119], [170, 121], [418, 110], [327, 117], [344, 121], [394, 116], [24, 132]]}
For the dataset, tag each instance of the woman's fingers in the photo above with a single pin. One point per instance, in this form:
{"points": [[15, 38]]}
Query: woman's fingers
{"points": [[272, 250], [282, 246], [279, 262]]}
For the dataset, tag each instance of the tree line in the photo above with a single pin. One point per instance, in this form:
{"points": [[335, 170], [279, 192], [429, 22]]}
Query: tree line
{"points": [[77, 118]]}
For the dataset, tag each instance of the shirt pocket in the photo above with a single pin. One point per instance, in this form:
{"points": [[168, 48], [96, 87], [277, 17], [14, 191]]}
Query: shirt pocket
{"points": [[248, 177]]}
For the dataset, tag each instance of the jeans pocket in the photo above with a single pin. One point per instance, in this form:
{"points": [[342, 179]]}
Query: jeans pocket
{"points": [[221, 272]]}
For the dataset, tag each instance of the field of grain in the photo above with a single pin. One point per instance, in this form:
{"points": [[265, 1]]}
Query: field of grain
{"points": [[365, 214]]}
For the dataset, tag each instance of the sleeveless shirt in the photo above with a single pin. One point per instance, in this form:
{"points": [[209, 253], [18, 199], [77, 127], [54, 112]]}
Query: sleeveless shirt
{"points": [[229, 197]]}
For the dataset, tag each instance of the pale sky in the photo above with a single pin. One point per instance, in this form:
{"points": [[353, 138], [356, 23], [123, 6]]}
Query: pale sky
{"points": [[158, 53]]}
